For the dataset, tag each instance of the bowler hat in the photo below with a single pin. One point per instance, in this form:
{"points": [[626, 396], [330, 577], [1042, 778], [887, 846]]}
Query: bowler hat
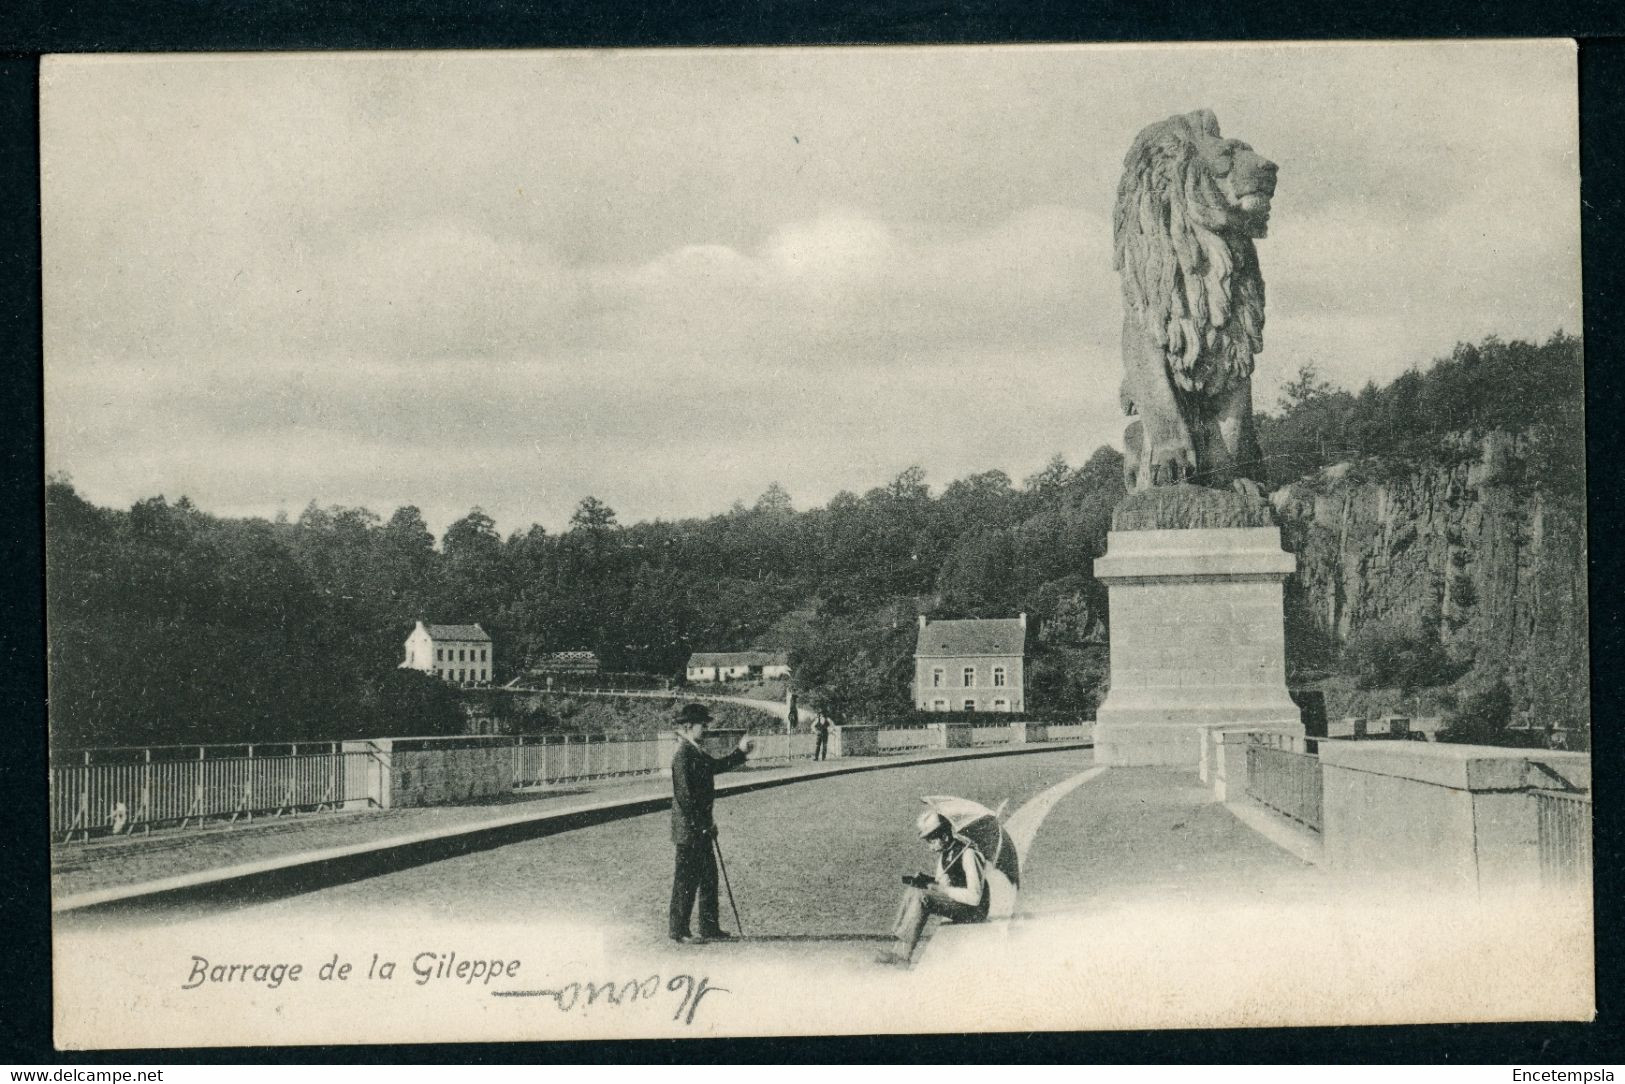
{"points": [[694, 715]]}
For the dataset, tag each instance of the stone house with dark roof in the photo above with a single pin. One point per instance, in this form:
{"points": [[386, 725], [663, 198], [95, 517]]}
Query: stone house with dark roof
{"points": [[971, 665], [460, 654], [737, 665]]}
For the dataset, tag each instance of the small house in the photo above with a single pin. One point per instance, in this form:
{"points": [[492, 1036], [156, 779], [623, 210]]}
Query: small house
{"points": [[737, 665], [971, 665], [460, 654]]}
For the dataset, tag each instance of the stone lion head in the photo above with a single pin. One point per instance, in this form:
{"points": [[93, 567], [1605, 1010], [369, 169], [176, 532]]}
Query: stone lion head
{"points": [[1189, 207]]}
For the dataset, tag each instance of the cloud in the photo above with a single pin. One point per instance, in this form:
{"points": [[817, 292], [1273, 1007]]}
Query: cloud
{"points": [[668, 279], [707, 363], [846, 289]]}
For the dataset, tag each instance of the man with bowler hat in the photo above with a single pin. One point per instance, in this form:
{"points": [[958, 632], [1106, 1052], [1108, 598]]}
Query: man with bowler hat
{"points": [[693, 789]]}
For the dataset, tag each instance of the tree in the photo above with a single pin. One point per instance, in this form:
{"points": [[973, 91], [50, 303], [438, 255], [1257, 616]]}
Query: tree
{"points": [[407, 530], [593, 516], [1051, 479], [594, 522], [1067, 682], [909, 485], [473, 538], [1103, 471], [775, 502], [979, 573], [1304, 390], [405, 550], [1481, 718], [1380, 656], [986, 500], [856, 666], [410, 702]]}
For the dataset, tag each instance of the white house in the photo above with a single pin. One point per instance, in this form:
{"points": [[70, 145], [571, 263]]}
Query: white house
{"points": [[976, 665], [737, 665], [460, 654]]}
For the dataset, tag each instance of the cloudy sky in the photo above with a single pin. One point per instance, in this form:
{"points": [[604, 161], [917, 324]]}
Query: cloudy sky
{"points": [[668, 279]]}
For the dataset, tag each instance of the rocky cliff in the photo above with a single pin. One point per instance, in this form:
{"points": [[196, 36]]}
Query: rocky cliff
{"points": [[1482, 557]]}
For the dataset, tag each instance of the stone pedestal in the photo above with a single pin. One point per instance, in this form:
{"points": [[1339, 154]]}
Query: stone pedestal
{"points": [[1197, 638]]}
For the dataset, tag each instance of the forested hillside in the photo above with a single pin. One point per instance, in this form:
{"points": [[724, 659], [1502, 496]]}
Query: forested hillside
{"points": [[1446, 575], [167, 624], [170, 624]]}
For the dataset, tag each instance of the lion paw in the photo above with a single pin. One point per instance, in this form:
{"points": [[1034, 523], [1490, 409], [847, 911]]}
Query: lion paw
{"points": [[1170, 466]]}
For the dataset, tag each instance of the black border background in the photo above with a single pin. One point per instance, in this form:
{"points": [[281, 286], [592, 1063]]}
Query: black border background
{"points": [[195, 25]]}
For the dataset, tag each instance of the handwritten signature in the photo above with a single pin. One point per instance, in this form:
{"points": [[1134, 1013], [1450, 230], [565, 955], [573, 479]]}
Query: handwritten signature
{"points": [[584, 995]]}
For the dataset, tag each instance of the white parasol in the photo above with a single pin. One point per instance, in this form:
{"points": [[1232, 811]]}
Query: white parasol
{"points": [[984, 829]]}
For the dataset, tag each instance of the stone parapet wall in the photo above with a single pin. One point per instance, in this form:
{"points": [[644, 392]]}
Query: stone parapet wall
{"points": [[953, 735], [1462, 816], [386, 773], [397, 774], [1418, 815], [854, 741], [445, 776]]}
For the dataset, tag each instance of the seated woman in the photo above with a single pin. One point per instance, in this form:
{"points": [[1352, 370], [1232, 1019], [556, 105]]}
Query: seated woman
{"points": [[958, 891]]}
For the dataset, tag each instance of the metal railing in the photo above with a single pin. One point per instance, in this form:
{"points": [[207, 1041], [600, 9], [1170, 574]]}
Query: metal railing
{"points": [[128, 790], [135, 789], [1564, 834], [1288, 782], [563, 682], [782, 748], [574, 758]]}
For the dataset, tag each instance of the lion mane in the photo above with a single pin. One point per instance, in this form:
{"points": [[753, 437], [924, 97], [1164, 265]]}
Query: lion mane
{"points": [[1190, 276]]}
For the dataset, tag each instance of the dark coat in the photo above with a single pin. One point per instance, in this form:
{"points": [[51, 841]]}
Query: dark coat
{"points": [[693, 790]]}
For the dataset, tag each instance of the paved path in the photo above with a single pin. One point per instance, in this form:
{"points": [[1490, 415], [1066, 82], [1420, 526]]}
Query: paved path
{"points": [[816, 865], [1135, 834], [1146, 906], [112, 865], [815, 862]]}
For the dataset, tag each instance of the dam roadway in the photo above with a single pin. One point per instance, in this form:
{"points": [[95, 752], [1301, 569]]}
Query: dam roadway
{"points": [[815, 860], [1138, 889]]}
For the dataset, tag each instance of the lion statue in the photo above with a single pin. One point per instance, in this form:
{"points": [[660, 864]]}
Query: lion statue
{"points": [[1189, 207]]}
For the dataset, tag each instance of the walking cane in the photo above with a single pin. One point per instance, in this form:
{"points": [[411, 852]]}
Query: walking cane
{"points": [[717, 846]]}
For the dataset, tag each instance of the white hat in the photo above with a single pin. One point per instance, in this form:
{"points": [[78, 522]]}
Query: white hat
{"points": [[931, 823]]}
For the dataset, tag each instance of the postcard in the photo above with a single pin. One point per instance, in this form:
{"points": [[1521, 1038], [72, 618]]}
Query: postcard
{"points": [[600, 544]]}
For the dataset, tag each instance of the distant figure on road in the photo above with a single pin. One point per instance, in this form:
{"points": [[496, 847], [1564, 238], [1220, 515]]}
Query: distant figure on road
{"points": [[821, 748], [693, 790], [957, 891]]}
